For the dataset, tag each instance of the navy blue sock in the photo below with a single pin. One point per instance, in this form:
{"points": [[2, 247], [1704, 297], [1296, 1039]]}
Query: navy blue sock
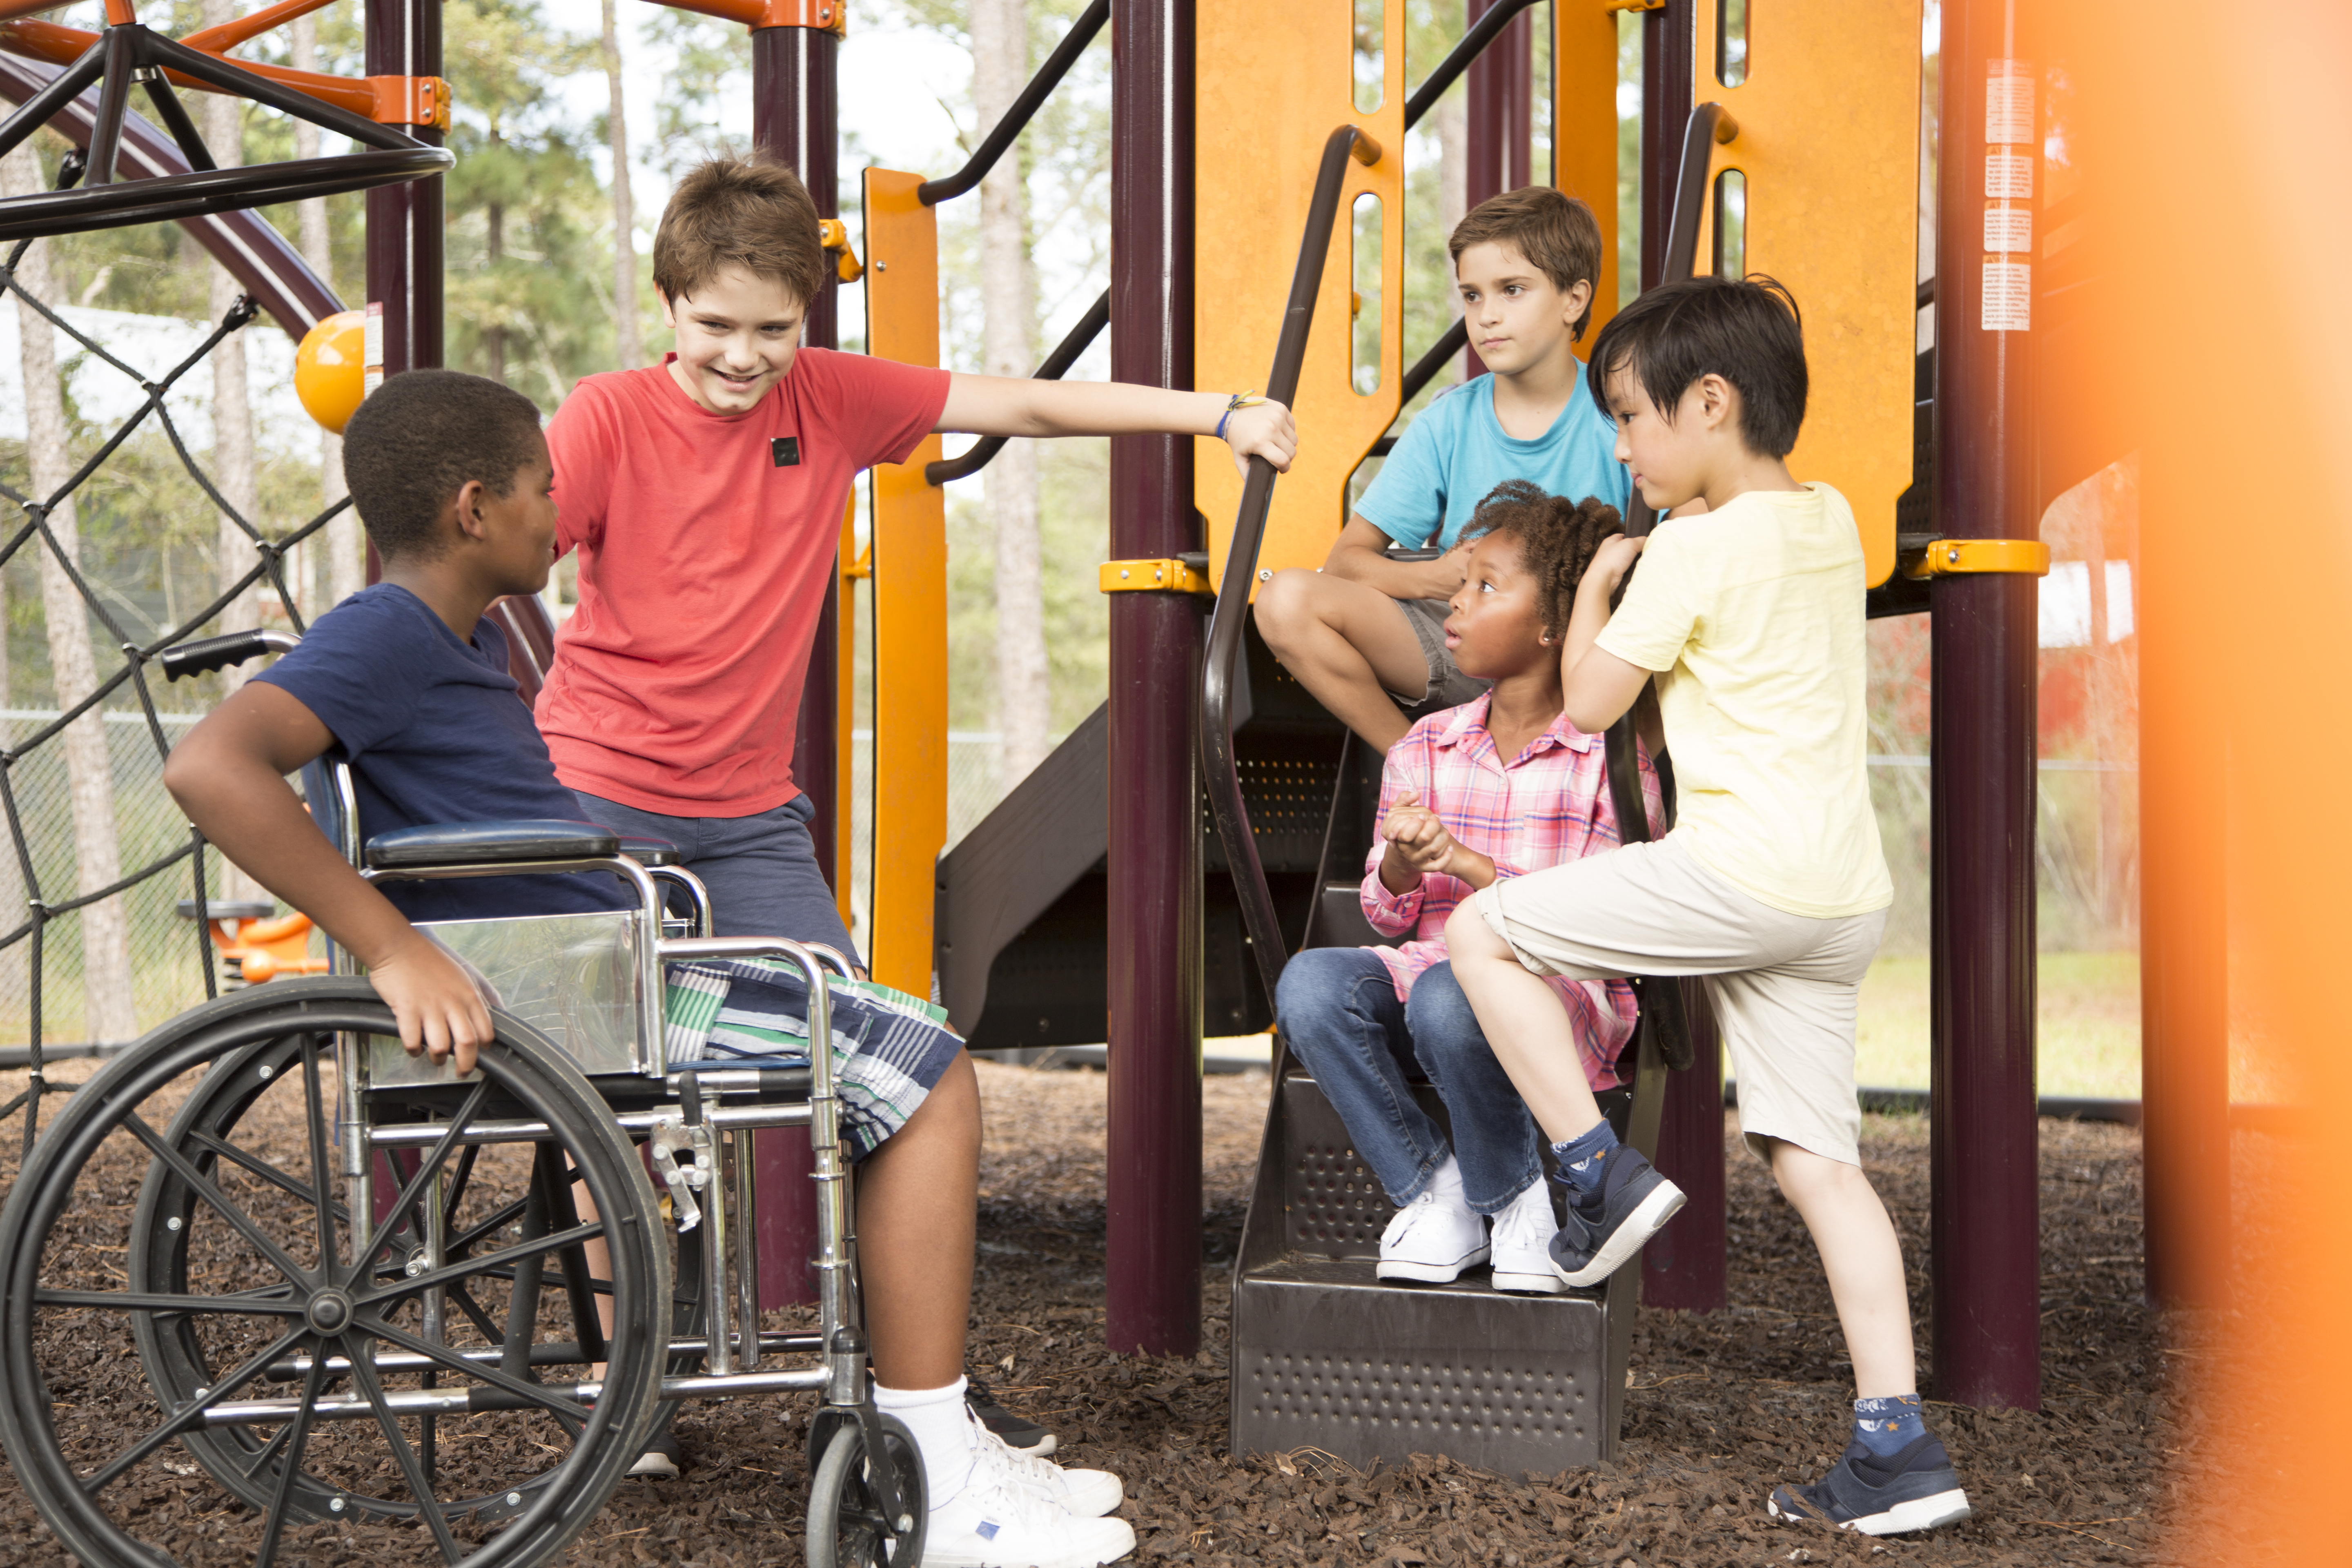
{"points": [[1583, 1158], [1887, 1426]]}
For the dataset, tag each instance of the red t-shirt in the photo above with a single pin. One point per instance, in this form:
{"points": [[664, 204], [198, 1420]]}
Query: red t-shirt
{"points": [[704, 557]]}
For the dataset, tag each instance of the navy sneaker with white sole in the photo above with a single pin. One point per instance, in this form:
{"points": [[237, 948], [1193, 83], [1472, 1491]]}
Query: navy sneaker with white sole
{"points": [[1608, 1225], [1915, 1490]]}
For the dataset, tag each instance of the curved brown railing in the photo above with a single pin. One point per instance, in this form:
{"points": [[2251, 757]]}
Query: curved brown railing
{"points": [[1219, 770]]}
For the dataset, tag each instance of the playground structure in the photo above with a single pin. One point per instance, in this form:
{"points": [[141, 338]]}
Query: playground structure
{"points": [[1154, 922]]}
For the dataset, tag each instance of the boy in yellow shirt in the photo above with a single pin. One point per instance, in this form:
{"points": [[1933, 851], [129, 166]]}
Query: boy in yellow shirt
{"points": [[1772, 885]]}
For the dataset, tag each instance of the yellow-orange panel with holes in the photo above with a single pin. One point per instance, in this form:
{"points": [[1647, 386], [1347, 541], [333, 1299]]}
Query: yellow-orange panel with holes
{"points": [[1584, 153], [1829, 144], [1274, 82], [910, 599]]}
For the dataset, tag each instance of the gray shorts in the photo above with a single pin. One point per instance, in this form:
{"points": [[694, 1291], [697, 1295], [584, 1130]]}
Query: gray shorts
{"points": [[1448, 687], [1783, 986]]}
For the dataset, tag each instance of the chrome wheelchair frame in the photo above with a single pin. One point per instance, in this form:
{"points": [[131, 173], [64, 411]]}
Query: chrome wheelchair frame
{"points": [[406, 1146]]}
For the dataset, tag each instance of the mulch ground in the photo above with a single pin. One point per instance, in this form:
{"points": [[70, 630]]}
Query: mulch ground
{"points": [[1725, 1405]]}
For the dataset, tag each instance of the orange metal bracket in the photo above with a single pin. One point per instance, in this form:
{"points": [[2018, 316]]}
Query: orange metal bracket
{"points": [[834, 235], [387, 100], [825, 15], [1152, 577], [1953, 557], [849, 566], [910, 599]]}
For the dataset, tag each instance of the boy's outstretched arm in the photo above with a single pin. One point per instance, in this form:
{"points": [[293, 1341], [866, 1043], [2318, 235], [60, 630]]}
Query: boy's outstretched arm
{"points": [[229, 775], [1009, 405], [1596, 686]]}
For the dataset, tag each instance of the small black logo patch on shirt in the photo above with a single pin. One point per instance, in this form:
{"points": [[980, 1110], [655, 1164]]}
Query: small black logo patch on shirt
{"points": [[786, 450]]}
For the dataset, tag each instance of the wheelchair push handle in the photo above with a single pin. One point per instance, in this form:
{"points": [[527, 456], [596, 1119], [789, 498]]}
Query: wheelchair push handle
{"points": [[219, 653]]}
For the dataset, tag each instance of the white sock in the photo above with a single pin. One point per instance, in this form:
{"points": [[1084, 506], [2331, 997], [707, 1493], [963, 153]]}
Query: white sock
{"points": [[942, 1434], [1445, 1184]]}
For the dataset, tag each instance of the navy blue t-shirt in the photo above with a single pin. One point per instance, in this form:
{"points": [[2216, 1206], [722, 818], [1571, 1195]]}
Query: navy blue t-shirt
{"points": [[435, 731]]}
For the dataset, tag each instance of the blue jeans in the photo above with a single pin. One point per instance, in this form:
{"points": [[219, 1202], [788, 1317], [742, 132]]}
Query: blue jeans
{"points": [[1339, 1009], [761, 870]]}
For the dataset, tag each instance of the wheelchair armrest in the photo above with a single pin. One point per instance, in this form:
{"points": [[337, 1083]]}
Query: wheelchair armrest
{"points": [[649, 852], [490, 843]]}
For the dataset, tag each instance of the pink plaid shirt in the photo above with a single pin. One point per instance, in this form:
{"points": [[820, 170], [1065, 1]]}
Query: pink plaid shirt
{"points": [[1546, 807]]}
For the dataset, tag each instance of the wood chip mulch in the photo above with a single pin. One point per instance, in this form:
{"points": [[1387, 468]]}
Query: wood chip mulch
{"points": [[1725, 1405]]}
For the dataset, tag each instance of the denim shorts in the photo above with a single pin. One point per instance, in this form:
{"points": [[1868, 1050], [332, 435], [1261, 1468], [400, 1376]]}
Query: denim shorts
{"points": [[1448, 687]]}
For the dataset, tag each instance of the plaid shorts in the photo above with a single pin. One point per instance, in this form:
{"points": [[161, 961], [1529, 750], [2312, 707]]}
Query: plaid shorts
{"points": [[889, 1048]]}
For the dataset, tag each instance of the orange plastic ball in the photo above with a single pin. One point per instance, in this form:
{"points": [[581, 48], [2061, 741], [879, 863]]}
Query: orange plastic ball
{"points": [[329, 369]]}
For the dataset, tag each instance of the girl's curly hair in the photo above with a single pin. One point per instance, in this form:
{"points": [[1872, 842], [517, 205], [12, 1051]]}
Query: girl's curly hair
{"points": [[1557, 539]]}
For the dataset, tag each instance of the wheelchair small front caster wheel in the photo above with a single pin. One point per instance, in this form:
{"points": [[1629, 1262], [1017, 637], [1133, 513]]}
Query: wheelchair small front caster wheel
{"points": [[846, 1525]]}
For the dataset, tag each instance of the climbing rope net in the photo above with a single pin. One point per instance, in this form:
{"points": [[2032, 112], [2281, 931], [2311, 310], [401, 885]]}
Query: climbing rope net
{"points": [[62, 821]]}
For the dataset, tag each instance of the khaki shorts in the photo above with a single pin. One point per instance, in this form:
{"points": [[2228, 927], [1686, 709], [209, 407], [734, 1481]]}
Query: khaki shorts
{"points": [[1448, 687], [1783, 986]]}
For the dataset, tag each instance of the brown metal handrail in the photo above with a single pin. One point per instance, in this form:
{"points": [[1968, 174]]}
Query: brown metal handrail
{"points": [[1219, 769]]}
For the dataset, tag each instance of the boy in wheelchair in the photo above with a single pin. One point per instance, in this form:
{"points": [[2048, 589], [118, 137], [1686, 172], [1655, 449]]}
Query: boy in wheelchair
{"points": [[407, 684]]}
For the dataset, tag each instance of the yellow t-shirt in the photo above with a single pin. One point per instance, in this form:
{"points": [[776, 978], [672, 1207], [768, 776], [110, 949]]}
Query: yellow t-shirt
{"points": [[1753, 617]]}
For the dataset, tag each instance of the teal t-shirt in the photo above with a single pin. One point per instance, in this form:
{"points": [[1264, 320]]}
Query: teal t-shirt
{"points": [[1450, 456]]}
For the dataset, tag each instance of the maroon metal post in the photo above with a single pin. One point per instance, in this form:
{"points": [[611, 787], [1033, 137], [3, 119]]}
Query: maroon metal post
{"points": [[1501, 114], [404, 221], [1154, 1177], [1683, 1267], [795, 120], [1986, 1209]]}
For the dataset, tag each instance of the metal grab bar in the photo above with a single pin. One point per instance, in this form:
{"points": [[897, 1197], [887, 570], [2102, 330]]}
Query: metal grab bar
{"points": [[1218, 768], [1452, 342], [932, 192], [1449, 69], [1057, 365]]}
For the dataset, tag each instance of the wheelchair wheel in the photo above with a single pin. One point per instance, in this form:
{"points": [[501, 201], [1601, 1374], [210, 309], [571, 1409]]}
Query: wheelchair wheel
{"points": [[207, 1130], [381, 1407], [846, 1525]]}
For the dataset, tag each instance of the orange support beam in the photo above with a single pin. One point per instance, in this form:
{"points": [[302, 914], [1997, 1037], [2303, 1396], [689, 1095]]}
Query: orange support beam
{"points": [[1584, 131], [910, 597]]}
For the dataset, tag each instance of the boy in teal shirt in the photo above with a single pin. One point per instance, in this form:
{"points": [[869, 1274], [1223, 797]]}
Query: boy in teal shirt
{"points": [[1366, 632]]}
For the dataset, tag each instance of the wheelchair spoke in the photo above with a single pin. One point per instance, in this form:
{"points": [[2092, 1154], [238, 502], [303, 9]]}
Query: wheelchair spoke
{"points": [[464, 1241], [188, 1418], [282, 1499], [473, 1311], [457, 1184], [321, 1173], [427, 1168], [203, 1185], [273, 1301], [267, 1451], [560, 1406], [371, 1387], [263, 1169], [506, 1258]]}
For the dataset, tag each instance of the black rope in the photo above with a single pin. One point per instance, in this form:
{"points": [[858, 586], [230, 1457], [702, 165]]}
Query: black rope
{"points": [[268, 574]]}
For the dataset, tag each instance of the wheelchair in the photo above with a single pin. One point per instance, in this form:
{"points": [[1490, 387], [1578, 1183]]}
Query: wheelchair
{"points": [[365, 1297]]}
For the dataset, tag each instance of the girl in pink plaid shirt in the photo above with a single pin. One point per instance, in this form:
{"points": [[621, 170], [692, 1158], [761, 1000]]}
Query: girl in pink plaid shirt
{"points": [[1496, 788]]}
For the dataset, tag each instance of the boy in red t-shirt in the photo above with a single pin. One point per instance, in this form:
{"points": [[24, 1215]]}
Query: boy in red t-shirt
{"points": [[705, 495]]}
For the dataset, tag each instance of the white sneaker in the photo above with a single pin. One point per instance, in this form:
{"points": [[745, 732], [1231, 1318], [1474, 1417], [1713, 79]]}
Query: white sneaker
{"points": [[1433, 1239], [1523, 1233], [996, 1521], [1086, 1494]]}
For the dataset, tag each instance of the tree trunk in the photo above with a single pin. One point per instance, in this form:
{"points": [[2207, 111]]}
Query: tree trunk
{"points": [[1000, 49], [108, 1011], [628, 346], [338, 555]]}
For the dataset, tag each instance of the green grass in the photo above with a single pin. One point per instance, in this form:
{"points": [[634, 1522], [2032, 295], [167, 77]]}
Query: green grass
{"points": [[2089, 1025]]}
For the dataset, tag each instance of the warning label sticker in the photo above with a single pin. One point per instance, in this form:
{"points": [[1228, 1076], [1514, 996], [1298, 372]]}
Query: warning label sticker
{"points": [[2009, 102], [2008, 297], [2009, 177], [2009, 229]]}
